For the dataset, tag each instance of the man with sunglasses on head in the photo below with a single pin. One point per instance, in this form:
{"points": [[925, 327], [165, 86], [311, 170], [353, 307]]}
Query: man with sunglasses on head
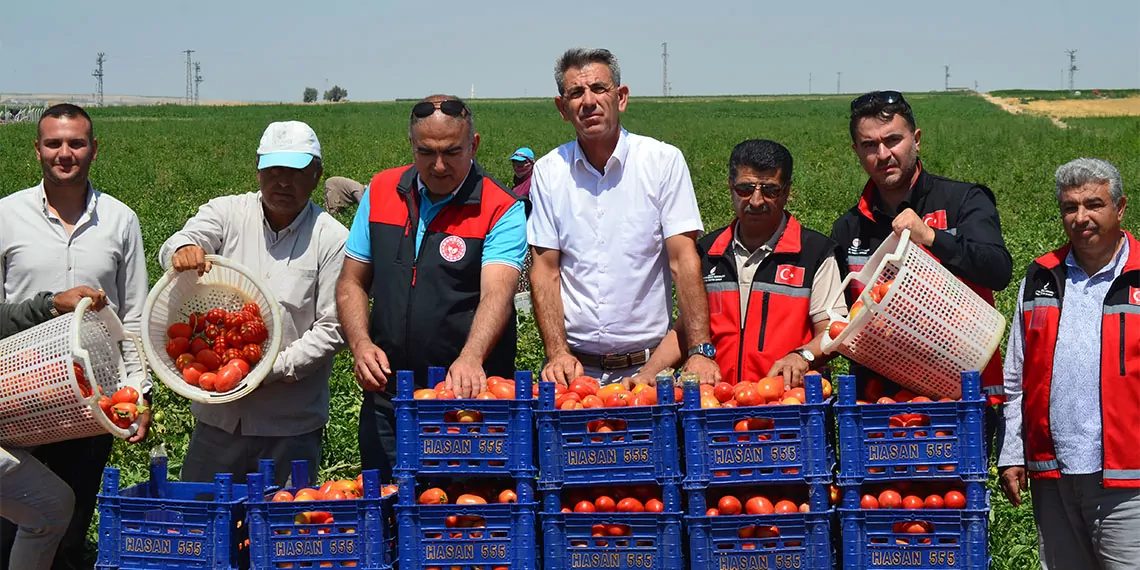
{"points": [[438, 244], [957, 222], [614, 224], [768, 278]]}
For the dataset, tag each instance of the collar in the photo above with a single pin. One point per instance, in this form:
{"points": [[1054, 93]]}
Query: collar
{"points": [[620, 154], [870, 201], [92, 199], [302, 216], [769, 245], [787, 237], [469, 191], [1113, 266]]}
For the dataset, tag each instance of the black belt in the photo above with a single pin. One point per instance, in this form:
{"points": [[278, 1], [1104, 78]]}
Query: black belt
{"points": [[612, 361]]}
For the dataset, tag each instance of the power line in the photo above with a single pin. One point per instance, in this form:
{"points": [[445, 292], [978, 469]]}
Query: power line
{"points": [[838, 78], [1072, 65], [946, 85], [98, 75], [189, 78], [197, 80], [665, 87], [809, 83]]}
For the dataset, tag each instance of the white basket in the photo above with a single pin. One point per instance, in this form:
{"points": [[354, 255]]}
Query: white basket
{"points": [[928, 328], [40, 401], [228, 285]]}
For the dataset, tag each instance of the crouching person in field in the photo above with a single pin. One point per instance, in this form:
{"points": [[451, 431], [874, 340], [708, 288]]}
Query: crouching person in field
{"points": [[768, 278], [1070, 376], [295, 248]]}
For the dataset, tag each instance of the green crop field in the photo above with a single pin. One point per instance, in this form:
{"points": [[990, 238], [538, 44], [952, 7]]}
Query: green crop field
{"points": [[166, 161]]}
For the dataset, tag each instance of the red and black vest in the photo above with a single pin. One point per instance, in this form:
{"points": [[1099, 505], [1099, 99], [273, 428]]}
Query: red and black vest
{"points": [[777, 321], [423, 306], [1041, 305]]}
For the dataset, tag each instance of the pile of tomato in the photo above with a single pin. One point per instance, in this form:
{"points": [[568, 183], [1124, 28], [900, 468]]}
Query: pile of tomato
{"points": [[764, 392], [215, 350], [122, 408], [332, 490], [498, 388], [877, 293], [585, 392]]}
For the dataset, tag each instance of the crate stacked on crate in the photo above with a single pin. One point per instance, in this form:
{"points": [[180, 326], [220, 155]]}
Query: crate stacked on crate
{"points": [[168, 525], [465, 470], [912, 474], [338, 524], [758, 465], [610, 474]]}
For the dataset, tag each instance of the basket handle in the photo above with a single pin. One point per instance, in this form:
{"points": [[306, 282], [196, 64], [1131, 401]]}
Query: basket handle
{"points": [[828, 344]]}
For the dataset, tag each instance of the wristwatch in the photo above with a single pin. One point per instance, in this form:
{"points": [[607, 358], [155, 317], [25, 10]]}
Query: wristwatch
{"points": [[805, 354], [54, 312], [705, 349]]}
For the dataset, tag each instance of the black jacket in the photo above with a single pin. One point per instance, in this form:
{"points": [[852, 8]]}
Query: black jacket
{"points": [[15, 317]]}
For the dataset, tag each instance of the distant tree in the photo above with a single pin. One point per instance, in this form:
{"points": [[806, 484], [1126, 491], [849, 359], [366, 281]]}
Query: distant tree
{"points": [[310, 95], [336, 93]]}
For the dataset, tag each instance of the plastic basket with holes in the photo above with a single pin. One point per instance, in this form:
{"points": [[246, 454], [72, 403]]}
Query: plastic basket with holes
{"points": [[928, 328], [42, 399], [229, 286]]}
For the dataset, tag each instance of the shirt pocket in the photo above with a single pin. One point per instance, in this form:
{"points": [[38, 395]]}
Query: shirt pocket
{"points": [[296, 291]]}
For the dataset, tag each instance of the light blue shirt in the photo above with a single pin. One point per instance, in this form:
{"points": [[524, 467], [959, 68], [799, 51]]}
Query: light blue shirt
{"points": [[1074, 396], [505, 244]]}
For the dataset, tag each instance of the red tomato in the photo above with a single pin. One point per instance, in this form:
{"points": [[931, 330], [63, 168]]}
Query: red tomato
{"points": [[209, 359], [125, 395], [234, 338], [630, 505], [654, 506], [617, 530], [503, 391], [712, 513], [785, 506], [758, 505], [605, 504], [183, 360], [241, 364], [729, 505], [212, 332], [254, 332], [912, 502], [283, 497], [582, 387], [193, 373], [916, 527], [198, 345], [124, 414], [868, 502], [231, 354], [105, 404], [934, 502], [216, 316], [235, 319], [253, 309], [180, 330], [890, 499], [207, 381], [585, 507], [955, 500], [835, 329], [177, 346], [228, 378], [723, 391], [251, 353], [197, 321]]}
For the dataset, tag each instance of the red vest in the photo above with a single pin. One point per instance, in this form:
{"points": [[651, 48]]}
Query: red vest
{"points": [[777, 321], [1119, 366]]}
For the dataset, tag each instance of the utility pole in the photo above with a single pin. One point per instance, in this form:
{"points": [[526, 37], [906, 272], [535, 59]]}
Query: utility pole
{"points": [[838, 77], [664, 69], [1072, 65], [975, 86], [946, 85], [189, 77], [197, 80], [809, 83], [98, 75]]}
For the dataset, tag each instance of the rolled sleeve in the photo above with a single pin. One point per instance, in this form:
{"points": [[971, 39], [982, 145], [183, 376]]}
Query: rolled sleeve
{"points": [[359, 245], [506, 242], [679, 211], [1011, 450], [542, 226], [825, 291]]}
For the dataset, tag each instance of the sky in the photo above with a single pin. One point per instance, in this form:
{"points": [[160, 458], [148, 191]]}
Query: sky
{"points": [[254, 50]]}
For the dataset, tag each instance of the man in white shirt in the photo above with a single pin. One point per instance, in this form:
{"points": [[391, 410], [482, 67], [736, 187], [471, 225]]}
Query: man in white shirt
{"points": [[614, 224], [57, 235], [296, 249]]}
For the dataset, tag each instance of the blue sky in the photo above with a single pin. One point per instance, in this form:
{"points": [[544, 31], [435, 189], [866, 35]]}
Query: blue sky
{"points": [[270, 51]]}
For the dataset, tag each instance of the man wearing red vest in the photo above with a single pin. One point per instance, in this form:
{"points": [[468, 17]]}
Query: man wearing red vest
{"points": [[767, 278], [438, 245], [1072, 376]]}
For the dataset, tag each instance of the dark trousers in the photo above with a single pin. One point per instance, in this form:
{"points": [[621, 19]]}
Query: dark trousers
{"points": [[213, 450], [80, 463], [378, 434]]}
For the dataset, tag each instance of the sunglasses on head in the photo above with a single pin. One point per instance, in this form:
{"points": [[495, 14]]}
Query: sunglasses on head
{"points": [[879, 98], [450, 107], [746, 189]]}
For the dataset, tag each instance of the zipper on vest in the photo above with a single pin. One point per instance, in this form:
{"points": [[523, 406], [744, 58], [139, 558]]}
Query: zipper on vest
{"points": [[1121, 344], [763, 320], [740, 345]]}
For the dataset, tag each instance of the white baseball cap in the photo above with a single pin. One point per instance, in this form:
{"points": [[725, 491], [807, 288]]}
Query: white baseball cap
{"points": [[292, 144]]}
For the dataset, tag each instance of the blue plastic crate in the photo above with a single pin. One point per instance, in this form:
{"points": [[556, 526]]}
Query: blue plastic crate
{"points": [[654, 542], [794, 449], [502, 444], [958, 537], [950, 447], [361, 534], [506, 539], [166, 525], [645, 452]]}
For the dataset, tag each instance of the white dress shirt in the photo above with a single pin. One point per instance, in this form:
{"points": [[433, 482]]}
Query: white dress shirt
{"points": [[104, 251], [300, 264], [611, 229]]}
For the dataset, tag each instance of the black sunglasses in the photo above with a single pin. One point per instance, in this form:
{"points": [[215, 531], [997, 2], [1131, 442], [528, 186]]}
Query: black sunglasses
{"points": [[746, 189], [450, 107], [879, 98]]}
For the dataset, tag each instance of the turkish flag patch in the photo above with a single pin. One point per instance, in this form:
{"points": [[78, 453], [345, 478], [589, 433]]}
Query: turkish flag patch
{"points": [[790, 275], [936, 219], [1134, 295]]}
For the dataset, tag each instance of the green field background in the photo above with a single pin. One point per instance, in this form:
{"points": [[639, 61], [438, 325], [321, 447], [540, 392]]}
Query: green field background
{"points": [[165, 161]]}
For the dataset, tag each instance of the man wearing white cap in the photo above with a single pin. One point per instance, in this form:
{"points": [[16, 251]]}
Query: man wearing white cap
{"points": [[522, 161], [295, 248]]}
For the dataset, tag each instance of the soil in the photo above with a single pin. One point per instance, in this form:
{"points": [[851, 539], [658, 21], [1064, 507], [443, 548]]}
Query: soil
{"points": [[1072, 108]]}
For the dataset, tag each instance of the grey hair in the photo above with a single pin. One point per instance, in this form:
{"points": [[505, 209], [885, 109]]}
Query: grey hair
{"points": [[469, 119], [581, 57], [1081, 171]]}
